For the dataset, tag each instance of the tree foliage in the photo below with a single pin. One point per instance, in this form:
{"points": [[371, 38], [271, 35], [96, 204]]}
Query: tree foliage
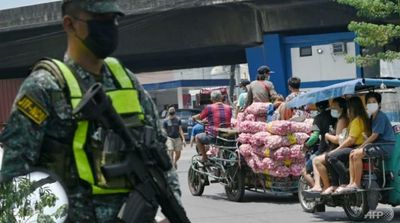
{"points": [[17, 205], [373, 33]]}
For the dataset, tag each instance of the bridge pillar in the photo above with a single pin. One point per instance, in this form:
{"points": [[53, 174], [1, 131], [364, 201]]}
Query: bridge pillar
{"points": [[274, 57], [271, 53]]}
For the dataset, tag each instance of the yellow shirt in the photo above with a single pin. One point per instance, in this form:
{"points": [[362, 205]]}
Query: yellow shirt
{"points": [[356, 128]]}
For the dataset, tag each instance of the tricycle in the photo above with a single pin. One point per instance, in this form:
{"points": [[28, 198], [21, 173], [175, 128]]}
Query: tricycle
{"points": [[381, 173], [223, 167], [228, 167]]}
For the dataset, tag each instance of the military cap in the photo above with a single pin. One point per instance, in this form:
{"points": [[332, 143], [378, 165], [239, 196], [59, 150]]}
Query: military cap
{"points": [[97, 6]]}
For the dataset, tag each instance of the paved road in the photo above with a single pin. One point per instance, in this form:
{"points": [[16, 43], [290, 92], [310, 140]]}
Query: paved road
{"points": [[213, 206]]}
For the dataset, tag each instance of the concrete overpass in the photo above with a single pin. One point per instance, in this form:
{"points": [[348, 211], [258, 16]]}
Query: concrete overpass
{"points": [[168, 34]]}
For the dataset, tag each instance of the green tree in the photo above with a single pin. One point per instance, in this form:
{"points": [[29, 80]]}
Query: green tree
{"points": [[17, 205], [377, 31]]}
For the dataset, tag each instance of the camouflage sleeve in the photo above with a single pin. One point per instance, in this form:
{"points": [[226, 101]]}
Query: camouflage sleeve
{"points": [[23, 134]]}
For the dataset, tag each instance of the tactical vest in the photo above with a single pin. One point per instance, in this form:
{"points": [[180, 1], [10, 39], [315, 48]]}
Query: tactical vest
{"points": [[127, 108]]}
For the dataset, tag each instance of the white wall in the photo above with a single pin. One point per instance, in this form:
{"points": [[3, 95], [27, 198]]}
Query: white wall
{"points": [[184, 74], [164, 97], [323, 66]]}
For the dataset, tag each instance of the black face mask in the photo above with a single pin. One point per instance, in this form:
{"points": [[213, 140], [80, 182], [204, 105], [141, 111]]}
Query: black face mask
{"points": [[172, 113], [103, 37]]}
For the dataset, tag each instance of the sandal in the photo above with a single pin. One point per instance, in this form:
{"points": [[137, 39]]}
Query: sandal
{"points": [[339, 189], [311, 190], [329, 190], [347, 190]]}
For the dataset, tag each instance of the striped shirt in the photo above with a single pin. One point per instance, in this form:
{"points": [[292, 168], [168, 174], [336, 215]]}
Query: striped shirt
{"points": [[218, 115]]}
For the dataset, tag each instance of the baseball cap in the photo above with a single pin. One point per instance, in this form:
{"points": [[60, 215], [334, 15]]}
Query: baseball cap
{"points": [[243, 82], [97, 6], [264, 69]]}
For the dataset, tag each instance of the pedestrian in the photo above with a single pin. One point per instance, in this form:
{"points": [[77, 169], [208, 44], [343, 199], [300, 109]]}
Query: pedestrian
{"points": [[242, 96], [261, 90], [176, 139], [42, 131]]}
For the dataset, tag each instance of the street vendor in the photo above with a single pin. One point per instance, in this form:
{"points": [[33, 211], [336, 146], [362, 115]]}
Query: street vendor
{"points": [[261, 90], [286, 113], [217, 115]]}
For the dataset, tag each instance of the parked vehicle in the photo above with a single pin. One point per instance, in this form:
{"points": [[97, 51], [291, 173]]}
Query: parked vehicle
{"points": [[381, 174], [186, 118], [205, 99]]}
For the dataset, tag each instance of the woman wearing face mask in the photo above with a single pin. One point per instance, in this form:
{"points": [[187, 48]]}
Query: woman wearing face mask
{"points": [[338, 111], [382, 132], [337, 158]]}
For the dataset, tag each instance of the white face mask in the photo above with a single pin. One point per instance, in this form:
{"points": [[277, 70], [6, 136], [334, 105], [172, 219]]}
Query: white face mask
{"points": [[372, 108], [314, 113], [335, 113]]}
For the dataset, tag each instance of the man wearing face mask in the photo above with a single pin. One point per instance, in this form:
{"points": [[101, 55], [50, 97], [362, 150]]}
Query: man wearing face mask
{"points": [[382, 132], [42, 131], [261, 90], [176, 138]]}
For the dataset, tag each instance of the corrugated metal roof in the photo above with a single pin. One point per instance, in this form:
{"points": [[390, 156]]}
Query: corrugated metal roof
{"points": [[8, 91]]}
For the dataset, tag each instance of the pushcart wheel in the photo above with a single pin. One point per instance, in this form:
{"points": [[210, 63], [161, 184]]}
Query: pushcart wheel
{"points": [[196, 182], [235, 180]]}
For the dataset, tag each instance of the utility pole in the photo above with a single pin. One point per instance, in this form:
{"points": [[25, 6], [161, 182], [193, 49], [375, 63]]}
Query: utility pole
{"points": [[232, 82]]}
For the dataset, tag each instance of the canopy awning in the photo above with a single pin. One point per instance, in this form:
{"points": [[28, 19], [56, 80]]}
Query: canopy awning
{"points": [[340, 89]]}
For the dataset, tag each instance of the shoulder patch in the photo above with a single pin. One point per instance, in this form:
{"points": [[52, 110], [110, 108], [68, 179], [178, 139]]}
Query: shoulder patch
{"points": [[32, 109]]}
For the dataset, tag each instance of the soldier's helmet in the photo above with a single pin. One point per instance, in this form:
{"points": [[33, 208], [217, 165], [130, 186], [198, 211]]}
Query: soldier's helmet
{"points": [[97, 6]]}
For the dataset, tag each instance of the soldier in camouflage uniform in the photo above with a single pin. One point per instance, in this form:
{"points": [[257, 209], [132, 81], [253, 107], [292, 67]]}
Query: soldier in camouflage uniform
{"points": [[91, 27]]}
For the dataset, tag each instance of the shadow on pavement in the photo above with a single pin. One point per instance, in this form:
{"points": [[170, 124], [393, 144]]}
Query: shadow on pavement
{"points": [[270, 198], [331, 216], [252, 197]]}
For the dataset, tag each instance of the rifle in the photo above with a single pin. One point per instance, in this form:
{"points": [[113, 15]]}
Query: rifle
{"points": [[144, 165]]}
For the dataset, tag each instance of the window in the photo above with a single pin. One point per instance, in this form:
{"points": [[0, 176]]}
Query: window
{"points": [[339, 48], [305, 51]]}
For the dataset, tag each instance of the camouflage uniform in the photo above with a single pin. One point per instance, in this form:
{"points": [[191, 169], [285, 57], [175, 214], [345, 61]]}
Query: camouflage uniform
{"points": [[22, 138]]}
